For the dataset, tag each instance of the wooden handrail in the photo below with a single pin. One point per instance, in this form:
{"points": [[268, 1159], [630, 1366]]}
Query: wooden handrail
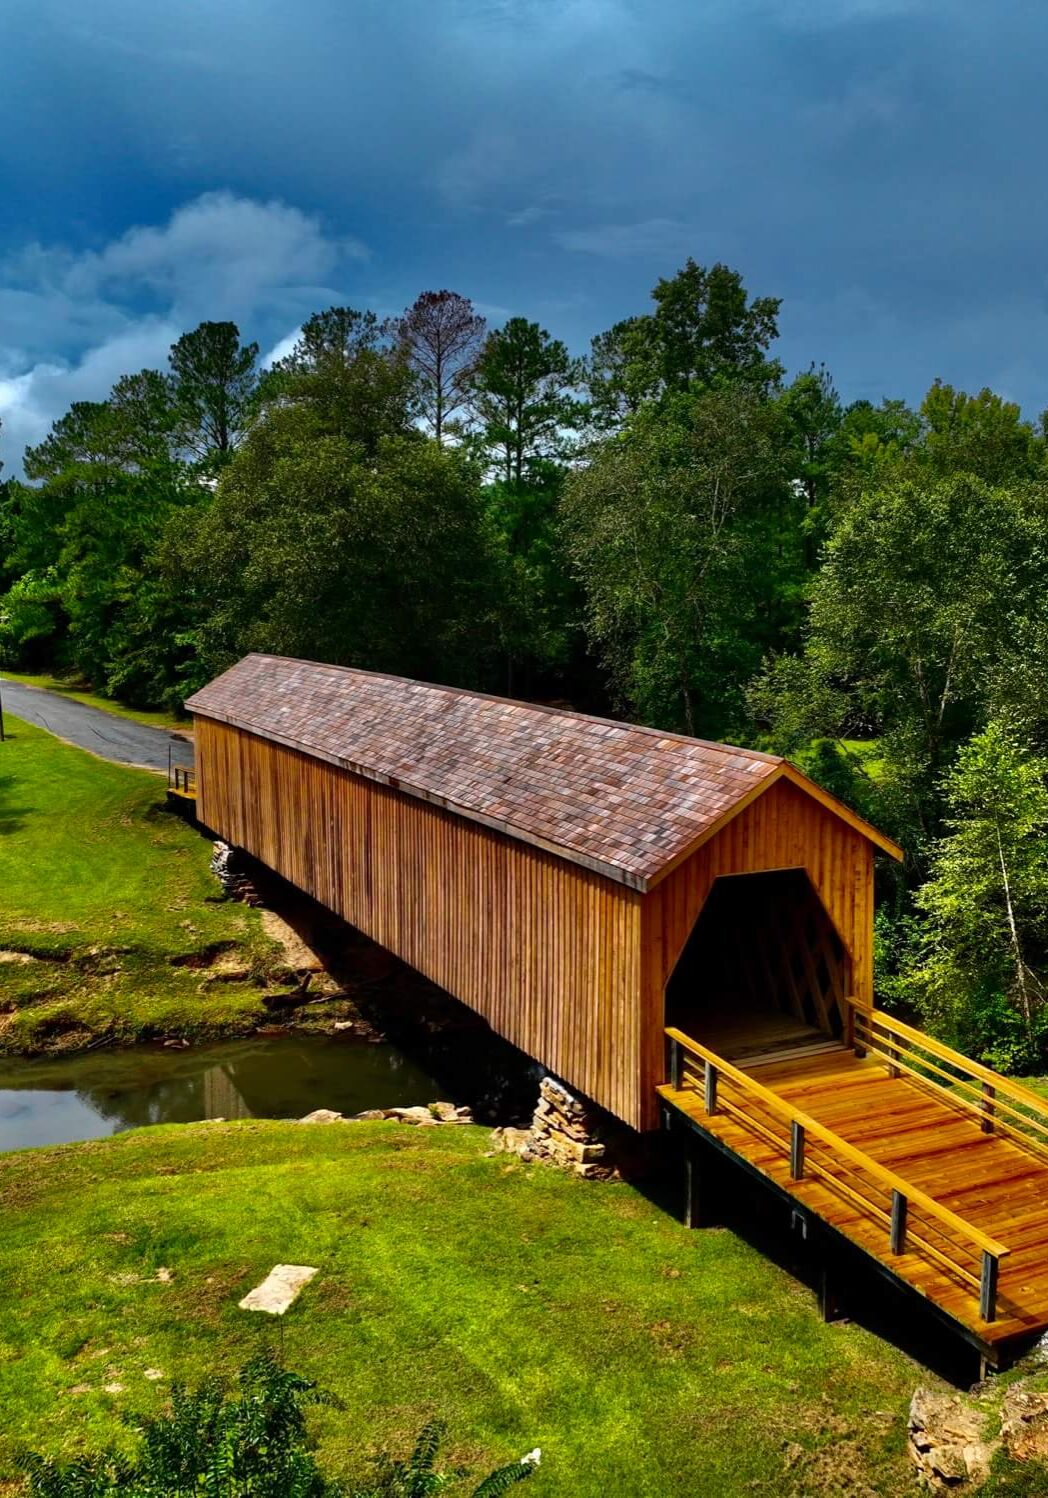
{"points": [[816, 1130], [182, 778], [995, 1096], [902, 1193]]}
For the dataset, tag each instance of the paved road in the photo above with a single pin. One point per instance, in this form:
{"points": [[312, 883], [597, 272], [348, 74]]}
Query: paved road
{"points": [[119, 739]]}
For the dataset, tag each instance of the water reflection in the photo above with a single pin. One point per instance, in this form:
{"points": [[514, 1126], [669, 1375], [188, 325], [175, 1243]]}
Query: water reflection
{"points": [[85, 1097]]}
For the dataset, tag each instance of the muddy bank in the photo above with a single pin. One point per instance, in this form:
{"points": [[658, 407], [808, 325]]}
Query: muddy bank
{"points": [[328, 981]]}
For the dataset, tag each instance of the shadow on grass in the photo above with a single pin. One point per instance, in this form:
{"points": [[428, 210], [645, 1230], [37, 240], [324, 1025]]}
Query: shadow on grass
{"points": [[12, 818], [860, 1292], [474, 1066]]}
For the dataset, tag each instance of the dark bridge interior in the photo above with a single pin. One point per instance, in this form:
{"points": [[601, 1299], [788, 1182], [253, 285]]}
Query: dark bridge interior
{"points": [[763, 972]]}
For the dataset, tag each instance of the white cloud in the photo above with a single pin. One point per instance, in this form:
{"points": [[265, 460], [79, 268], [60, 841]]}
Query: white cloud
{"points": [[648, 239], [215, 256], [483, 165], [281, 349], [31, 401], [72, 324], [523, 218]]}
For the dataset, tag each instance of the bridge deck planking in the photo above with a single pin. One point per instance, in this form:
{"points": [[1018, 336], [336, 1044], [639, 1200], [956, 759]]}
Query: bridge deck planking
{"points": [[998, 1186]]}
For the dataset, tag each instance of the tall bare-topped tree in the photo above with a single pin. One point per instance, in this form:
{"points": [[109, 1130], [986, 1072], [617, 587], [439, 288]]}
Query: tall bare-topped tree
{"points": [[441, 336]]}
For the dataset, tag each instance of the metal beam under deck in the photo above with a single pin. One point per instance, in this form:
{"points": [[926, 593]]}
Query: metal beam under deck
{"points": [[815, 1230]]}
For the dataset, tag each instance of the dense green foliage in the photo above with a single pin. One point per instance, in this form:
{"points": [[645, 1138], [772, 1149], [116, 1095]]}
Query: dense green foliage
{"points": [[977, 964], [684, 534], [666, 529]]}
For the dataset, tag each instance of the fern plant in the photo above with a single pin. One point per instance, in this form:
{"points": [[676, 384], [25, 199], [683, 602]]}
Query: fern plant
{"points": [[417, 1477], [212, 1445]]}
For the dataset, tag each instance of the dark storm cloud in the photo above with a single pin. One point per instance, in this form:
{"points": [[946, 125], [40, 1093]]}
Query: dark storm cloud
{"points": [[875, 164]]}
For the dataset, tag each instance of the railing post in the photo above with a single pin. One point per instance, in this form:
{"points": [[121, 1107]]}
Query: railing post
{"points": [[711, 1087], [893, 1055], [898, 1230], [989, 1094], [988, 1290], [675, 1065], [796, 1150], [856, 1039]]}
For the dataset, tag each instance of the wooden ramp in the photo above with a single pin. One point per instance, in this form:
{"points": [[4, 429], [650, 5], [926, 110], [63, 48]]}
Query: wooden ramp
{"points": [[933, 1165]]}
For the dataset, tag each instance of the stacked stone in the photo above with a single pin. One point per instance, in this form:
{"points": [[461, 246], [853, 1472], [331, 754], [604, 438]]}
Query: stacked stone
{"points": [[428, 1116], [564, 1130], [229, 871]]}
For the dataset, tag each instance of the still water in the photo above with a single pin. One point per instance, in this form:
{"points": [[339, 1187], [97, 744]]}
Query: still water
{"points": [[56, 1101]]}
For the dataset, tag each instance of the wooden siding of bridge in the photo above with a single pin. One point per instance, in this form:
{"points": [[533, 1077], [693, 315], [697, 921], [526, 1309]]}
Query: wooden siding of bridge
{"points": [[546, 951], [784, 828]]}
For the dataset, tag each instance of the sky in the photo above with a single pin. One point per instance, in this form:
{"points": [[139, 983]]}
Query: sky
{"points": [[877, 164]]}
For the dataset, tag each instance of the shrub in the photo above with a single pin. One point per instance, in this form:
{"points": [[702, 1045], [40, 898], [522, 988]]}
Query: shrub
{"points": [[212, 1445]]}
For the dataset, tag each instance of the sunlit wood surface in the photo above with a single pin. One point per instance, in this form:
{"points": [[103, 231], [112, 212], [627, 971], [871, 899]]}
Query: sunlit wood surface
{"points": [[997, 1184]]}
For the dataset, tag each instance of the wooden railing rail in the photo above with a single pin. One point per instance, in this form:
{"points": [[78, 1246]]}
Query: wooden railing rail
{"points": [[870, 1187], [996, 1103], [182, 778]]}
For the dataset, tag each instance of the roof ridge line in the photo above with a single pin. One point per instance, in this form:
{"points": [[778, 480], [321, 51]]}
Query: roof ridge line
{"points": [[538, 707]]}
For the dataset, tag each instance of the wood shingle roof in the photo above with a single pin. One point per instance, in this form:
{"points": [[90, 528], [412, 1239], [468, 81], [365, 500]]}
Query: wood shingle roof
{"points": [[626, 801]]}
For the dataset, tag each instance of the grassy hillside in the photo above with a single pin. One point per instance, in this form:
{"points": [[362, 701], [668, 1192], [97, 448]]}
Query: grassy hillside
{"points": [[101, 889], [527, 1308]]}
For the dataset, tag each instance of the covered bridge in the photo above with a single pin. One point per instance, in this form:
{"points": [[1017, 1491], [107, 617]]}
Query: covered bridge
{"points": [[677, 929], [548, 869]]}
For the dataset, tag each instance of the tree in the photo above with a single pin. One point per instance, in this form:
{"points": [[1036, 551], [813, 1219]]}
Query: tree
{"points": [[673, 531], [704, 332], [7, 533], [85, 594], [348, 373], [621, 372], [142, 408], [980, 434], [706, 329], [870, 437], [926, 587], [441, 335], [373, 555], [523, 399], [539, 600], [978, 965], [214, 377], [812, 409], [86, 437]]}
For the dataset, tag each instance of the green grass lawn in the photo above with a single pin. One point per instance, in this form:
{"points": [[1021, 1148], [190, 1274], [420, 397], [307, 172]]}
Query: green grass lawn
{"points": [[100, 887], [522, 1305], [868, 754], [78, 692]]}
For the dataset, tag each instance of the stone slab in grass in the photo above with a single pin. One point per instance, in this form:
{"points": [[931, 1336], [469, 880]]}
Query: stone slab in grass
{"points": [[279, 1289]]}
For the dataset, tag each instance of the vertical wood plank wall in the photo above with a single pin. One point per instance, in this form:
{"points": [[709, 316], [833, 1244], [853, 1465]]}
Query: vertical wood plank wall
{"points": [[547, 952], [783, 829]]}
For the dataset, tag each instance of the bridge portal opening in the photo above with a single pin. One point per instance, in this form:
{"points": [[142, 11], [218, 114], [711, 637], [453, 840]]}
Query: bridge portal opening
{"points": [[764, 970]]}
